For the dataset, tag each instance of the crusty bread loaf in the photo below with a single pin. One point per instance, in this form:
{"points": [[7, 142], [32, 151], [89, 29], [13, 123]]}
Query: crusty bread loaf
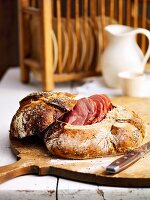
{"points": [[120, 131], [49, 114], [39, 110]]}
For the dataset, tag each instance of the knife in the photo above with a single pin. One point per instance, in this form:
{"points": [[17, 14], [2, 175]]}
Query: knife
{"points": [[128, 159]]}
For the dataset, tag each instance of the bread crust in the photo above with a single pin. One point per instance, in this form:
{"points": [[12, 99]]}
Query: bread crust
{"points": [[41, 114], [39, 110], [120, 131]]}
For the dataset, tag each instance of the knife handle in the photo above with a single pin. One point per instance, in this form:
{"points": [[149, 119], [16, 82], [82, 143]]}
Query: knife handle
{"points": [[123, 162]]}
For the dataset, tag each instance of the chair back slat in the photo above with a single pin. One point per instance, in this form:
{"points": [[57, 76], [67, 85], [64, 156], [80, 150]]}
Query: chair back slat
{"points": [[135, 13], [112, 13], [144, 15], [77, 32], [86, 32], [120, 12], [59, 35], [68, 29], [128, 13], [102, 8]]}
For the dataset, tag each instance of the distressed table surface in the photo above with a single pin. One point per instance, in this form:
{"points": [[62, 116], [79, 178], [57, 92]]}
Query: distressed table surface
{"points": [[49, 187]]}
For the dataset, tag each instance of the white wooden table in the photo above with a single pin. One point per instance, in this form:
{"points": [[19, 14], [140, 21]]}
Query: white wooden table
{"points": [[36, 187]]}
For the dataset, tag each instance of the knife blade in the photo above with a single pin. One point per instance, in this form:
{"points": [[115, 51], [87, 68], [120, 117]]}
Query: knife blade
{"points": [[128, 159]]}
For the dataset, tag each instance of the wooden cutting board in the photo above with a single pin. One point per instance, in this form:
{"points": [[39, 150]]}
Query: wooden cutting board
{"points": [[33, 158]]}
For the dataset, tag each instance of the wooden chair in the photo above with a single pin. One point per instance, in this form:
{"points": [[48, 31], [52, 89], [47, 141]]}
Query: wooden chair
{"points": [[103, 12]]}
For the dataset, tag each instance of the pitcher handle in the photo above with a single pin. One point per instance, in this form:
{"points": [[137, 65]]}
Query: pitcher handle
{"points": [[147, 34]]}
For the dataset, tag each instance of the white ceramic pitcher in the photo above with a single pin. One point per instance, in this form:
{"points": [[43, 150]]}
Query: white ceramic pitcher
{"points": [[123, 53]]}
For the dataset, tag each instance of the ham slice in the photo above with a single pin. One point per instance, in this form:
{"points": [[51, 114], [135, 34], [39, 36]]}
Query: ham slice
{"points": [[89, 110], [100, 107], [78, 114], [107, 101], [92, 111]]}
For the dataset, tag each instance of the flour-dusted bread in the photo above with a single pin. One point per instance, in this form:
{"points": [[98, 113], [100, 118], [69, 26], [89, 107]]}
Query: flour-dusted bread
{"points": [[39, 110], [118, 132], [77, 129]]}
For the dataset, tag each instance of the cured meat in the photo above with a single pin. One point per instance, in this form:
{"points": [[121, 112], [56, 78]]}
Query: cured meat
{"points": [[100, 108], [103, 104], [82, 113], [89, 110], [92, 111], [107, 101]]}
